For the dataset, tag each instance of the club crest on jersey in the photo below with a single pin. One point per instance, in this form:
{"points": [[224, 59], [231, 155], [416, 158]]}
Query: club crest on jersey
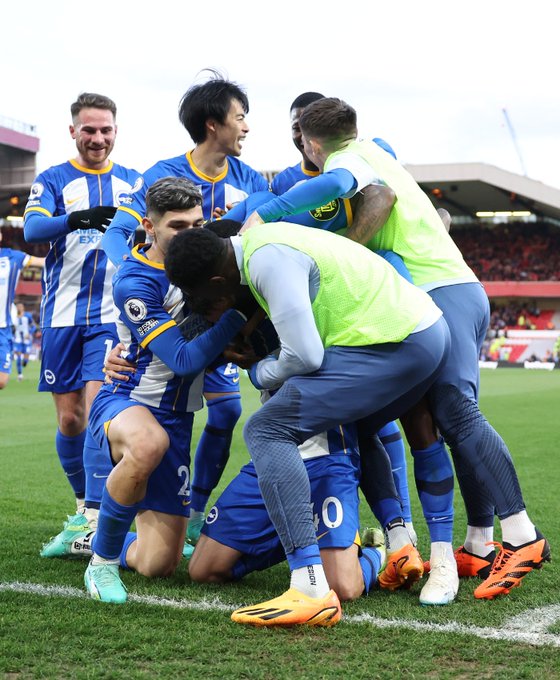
{"points": [[125, 197], [326, 212], [36, 190], [135, 309], [212, 515]]}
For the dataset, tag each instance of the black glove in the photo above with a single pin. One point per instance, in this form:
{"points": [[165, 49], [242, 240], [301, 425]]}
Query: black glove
{"points": [[95, 218]]}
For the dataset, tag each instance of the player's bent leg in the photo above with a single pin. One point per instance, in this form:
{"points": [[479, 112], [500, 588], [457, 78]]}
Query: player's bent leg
{"points": [[212, 562], [4, 378], [343, 572], [158, 548]]}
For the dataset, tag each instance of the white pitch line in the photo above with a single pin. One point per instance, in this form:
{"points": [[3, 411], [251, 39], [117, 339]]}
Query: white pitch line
{"points": [[527, 628]]}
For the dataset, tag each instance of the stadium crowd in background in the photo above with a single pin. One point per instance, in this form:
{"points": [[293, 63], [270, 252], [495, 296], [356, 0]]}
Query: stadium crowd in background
{"points": [[341, 183]]}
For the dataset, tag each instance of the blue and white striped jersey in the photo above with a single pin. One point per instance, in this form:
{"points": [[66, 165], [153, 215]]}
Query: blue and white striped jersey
{"points": [[11, 264], [24, 327], [77, 275], [147, 305]]}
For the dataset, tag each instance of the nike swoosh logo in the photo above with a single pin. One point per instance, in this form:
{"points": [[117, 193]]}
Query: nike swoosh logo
{"points": [[99, 476], [235, 380], [71, 201], [439, 519], [186, 502]]}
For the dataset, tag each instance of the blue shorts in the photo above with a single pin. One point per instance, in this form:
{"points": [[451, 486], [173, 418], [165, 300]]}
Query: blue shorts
{"points": [[221, 378], [169, 488], [22, 347], [239, 518], [5, 350], [74, 355]]}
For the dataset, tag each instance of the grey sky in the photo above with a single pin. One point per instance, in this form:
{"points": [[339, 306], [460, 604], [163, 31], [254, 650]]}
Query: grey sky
{"points": [[431, 78]]}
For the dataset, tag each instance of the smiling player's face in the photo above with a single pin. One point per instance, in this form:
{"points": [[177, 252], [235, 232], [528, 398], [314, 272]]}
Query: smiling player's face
{"points": [[231, 134], [94, 131]]}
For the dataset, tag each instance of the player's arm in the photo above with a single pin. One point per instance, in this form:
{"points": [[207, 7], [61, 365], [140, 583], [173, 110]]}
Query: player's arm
{"points": [[372, 211], [283, 281], [116, 240], [158, 331], [34, 261], [317, 191]]}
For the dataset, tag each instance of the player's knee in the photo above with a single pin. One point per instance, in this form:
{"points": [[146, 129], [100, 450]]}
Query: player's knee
{"points": [[347, 589], [71, 423], [456, 414], [147, 449], [201, 571], [158, 569]]}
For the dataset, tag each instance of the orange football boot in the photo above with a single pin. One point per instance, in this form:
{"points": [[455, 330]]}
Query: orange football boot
{"points": [[404, 567]]}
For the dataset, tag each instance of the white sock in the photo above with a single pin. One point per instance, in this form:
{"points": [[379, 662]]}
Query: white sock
{"points": [[96, 560], [91, 514], [80, 505], [396, 537], [477, 538], [412, 532], [440, 549], [518, 529], [310, 580]]}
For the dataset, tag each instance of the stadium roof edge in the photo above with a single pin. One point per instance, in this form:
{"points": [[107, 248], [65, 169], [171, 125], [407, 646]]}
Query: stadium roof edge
{"points": [[466, 188]]}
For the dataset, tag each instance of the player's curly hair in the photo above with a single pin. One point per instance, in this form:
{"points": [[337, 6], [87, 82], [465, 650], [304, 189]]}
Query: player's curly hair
{"points": [[211, 99], [92, 100], [193, 257]]}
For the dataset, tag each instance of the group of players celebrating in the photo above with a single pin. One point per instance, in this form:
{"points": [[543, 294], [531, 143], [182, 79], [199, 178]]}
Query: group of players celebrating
{"points": [[340, 291]]}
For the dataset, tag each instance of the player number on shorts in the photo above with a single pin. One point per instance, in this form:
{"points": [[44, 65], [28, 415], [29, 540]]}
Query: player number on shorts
{"points": [[183, 471], [332, 512]]}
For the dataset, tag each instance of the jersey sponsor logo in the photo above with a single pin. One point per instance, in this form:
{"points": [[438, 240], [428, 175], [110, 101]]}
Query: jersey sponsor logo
{"points": [[145, 328], [326, 212], [135, 309], [49, 376], [36, 190], [212, 515]]}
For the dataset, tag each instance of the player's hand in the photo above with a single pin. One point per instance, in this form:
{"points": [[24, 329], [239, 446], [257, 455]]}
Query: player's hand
{"points": [[220, 212], [117, 368], [95, 218], [241, 353], [253, 220]]}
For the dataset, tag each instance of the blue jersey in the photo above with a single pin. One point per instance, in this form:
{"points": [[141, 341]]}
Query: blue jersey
{"points": [[147, 305], [11, 264], [233, 185], [77, 274], [334, 216]]}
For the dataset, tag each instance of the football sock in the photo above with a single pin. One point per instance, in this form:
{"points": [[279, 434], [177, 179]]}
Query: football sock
{"points": [[396, 535], [212, 452], [71, 453], [112, 527], [477, 539], [130, 537], [518, 529], [392, 440], [438, 547], [433, 473], [307, 574], [370, 563], [18, 365], [97, 466]]}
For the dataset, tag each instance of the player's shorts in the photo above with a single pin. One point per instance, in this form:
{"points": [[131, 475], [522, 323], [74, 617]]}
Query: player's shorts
{"points": [[74, 355], [239, 518], [6, 345], [169, 484], [221, 378], [22, 347]]}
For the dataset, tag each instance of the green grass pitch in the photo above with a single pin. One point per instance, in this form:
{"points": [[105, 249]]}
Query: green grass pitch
{"points": [[173, 628]]}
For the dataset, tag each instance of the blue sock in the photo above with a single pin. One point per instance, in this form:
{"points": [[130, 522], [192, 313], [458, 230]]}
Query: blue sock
{"points": [[131, 536], [212, 452], [370, 563], [303, 557], [434, 480], [18, 365], [71, 455], [112, 527], [392, 440], [97, 466]]}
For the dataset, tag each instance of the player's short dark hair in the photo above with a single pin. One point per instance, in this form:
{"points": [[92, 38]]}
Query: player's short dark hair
{"points": [[224, 228], [172, 193], [92, 100], [302, 100], [194, 256], [211, 99], [329, 119]]}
